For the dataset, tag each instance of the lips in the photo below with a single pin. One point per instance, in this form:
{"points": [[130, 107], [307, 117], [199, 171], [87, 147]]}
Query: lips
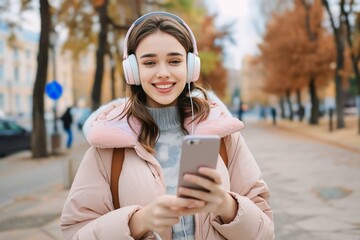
{"points": [[163, 86]]}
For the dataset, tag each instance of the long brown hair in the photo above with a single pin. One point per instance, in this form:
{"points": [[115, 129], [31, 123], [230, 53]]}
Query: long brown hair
{"points": [[136, 105]]}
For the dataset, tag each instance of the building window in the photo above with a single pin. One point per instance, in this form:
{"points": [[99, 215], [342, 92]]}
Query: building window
{"points": [[28, 74], [2, 102], [2, 47], [16, 74], [2, 72], [18, 102], [16, 53]]}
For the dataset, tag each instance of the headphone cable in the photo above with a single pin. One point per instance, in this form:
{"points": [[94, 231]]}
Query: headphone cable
{"points": [[192, 111]]}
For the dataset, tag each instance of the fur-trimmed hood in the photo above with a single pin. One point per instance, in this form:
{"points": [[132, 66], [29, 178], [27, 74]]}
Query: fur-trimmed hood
{"points": [[108, 128]]}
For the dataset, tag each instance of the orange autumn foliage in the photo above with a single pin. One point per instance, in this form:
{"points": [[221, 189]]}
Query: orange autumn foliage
{"points": [[293, 52]]}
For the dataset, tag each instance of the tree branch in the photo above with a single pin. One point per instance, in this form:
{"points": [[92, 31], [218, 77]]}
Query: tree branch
{"points": [[307, 7], [326, 4]]}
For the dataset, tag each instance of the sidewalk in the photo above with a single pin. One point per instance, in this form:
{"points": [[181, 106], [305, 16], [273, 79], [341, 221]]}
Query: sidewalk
{"points": [[37, 215], [347, 137], [314, 184]]}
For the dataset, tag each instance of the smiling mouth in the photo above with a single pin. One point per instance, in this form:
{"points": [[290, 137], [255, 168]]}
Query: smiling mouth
{"points": [[164, 86]]}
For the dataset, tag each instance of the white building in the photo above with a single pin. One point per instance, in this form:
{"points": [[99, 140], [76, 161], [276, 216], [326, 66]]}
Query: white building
{"points": [[18, 66]]}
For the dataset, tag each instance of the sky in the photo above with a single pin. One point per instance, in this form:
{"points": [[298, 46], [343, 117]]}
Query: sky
{"points": [[244, 33]]}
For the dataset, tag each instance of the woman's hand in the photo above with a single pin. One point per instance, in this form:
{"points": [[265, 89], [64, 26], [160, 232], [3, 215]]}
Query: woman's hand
{"points": [[160, 215], [217, 199]]}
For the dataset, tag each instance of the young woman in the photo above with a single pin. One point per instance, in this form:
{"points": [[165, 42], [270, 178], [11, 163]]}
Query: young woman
{"points": [[161, 65]]}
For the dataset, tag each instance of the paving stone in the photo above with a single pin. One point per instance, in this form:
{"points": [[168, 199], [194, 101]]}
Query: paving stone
{"points": [[31, 221]]}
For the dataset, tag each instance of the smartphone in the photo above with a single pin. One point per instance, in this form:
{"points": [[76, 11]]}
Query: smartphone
{"points": [[197, 151]]}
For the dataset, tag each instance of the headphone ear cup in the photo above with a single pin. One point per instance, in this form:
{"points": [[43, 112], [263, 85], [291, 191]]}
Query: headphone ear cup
{"points": [[193, 64], [131, 70]]}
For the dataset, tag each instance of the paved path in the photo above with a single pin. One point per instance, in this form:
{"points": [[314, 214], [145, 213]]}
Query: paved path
{"points": [[315, 190], [315, 187]]}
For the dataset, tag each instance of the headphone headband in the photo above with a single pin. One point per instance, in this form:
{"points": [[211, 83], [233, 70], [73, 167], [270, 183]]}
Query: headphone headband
{"points": [[130, 65], [173, 16]]}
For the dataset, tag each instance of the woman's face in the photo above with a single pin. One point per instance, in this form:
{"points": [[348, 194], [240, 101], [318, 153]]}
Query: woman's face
{"points": [[163, 71]]}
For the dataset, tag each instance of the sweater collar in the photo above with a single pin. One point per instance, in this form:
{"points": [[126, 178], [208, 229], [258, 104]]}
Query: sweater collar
{"points": [[165, 118]]}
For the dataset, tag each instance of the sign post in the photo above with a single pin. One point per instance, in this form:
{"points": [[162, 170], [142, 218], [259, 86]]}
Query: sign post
{"points": [[54, 91]]}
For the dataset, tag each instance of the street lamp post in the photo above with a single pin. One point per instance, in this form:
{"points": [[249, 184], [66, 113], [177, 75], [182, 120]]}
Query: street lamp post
{"points": [[55, 137]]}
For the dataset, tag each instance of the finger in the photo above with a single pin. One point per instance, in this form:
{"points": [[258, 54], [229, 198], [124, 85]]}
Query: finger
{"points": [[190, 211], [165, 222], [200, 181], [194, 203], [175, 202], [161, 212], [195, 194], [212, 173]]}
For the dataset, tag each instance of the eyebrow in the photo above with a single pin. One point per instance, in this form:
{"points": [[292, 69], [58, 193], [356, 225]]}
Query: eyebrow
{"points": [[148, 55]]}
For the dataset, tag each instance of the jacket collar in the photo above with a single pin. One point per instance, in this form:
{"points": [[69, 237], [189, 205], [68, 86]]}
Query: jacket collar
{"points": [[107, 128]]}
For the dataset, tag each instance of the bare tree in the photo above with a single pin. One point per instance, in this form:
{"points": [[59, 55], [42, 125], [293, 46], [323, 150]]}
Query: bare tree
{"points": [[38, 137], [340, 49], [353, 54]]}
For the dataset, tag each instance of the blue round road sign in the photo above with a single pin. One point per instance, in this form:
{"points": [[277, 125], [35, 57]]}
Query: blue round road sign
{"points": [[54, 90]]}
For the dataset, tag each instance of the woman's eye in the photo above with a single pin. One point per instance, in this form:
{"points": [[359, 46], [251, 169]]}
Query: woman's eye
{"points": [[149, 63], [175, 61]]}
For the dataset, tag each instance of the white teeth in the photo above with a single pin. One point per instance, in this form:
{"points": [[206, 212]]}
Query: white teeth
{"points": [[164, 86]]}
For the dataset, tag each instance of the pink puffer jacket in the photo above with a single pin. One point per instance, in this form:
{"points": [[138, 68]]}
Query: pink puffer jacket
{"points": [[89, 214]]}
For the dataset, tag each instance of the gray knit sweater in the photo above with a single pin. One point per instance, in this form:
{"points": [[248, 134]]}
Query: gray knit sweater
{"points": [[168, 149]]}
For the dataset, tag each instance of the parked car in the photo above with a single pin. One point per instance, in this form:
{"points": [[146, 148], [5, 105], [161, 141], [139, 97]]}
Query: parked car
{"points": [[13, 137]]}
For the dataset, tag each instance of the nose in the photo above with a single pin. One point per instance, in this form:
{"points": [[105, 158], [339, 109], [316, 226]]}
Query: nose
{"points": [[163, 72]]}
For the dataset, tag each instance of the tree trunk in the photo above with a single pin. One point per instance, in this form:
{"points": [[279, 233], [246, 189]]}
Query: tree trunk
{"points": [[354, 58], [282, 107], [112, 75], [301, 110], [314, 117], [113, 93], [339, 102], [339, 66], [38, 136], [355, 63], [100, 54], [291, 113], [357, 74]]}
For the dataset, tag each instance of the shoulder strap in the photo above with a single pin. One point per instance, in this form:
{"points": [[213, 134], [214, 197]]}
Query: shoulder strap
{"points": [[116, 166]]}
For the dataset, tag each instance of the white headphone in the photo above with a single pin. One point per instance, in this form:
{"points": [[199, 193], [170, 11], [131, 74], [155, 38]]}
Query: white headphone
{"points": [[130, 65]]}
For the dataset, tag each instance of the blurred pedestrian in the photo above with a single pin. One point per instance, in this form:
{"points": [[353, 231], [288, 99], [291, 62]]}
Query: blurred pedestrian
{"points": [[262, 113], [67, 120], [241, 111], [273, 115]]}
